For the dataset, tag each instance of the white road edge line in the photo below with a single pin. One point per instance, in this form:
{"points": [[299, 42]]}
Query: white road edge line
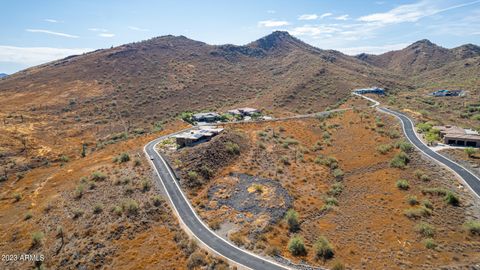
{"points": [[416, 134], [197, 217]]}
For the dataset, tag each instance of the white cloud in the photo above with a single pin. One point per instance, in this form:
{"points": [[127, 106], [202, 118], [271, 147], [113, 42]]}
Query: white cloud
{"points": [[271, 11], [324, 15], [314, 30], [97, 29], [307, 17], [272, 23], [31, 56], [51, 20], [373, 49], [106, 35], [134, 28], [342, 17], [411, 12], [51, 33]]}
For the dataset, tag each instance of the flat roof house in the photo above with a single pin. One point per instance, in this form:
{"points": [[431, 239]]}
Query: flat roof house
{"points": [[458, 136], [206, 117], [244, 111], [372, 90], [194, 137]]}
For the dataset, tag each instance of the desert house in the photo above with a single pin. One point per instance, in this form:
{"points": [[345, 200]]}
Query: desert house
{"points": [[244, 111], [448, 93], [372, 90], [458, 136], [206, 117], [193, 137]]}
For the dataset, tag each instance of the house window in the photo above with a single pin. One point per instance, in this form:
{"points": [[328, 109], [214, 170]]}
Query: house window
{"points": [[472, 144]]}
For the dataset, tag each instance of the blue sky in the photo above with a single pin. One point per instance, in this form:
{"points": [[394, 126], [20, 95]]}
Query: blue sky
{"points": [[33, 32]]}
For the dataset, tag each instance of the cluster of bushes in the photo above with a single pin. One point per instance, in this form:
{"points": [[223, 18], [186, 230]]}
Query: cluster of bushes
{"points": [[400, 160], [322, 247]]}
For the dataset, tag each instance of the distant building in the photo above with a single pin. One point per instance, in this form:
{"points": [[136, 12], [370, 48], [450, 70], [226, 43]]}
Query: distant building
{"points": [[206, 117], [194, 137], [458, 136], [244, 111], [448, 93], [372, 90]]}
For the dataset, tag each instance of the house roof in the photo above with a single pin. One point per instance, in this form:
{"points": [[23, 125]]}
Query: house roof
{"points": [[206, 114]]}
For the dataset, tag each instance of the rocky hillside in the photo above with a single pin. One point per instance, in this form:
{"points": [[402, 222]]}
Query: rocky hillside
{"points": [[421, 56]]}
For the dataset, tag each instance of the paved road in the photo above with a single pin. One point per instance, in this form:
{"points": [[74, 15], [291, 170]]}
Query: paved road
{"points": [[190, 219], [470, 179]]}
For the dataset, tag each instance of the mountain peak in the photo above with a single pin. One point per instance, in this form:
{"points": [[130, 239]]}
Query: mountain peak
{"points": [[423, 43], [278, 40]]}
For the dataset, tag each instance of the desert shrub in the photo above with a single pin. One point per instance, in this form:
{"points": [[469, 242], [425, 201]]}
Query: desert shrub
{"points": [[435, 191], [425, 178], [196, 260], [285, 160], [214, 225], [258, 188], [323, 249], [157, 200], [452, 198], [417, 212], [403, 184], [296, 246], [206, 172], [28, 216], [400, 160], [77, 213], [237, 238], [290, 141], [146, 185], [157, 126], [232, 148], [124, 157], [17, 196], [137, 162], [97, 209], [425, 229], [384, 148], [331, 162], [98, 176], [131, 207], [423, 127], [393, 134], [430, 243], [336, 189], [418, 173], [331, 201], [64, 159], [117, 210], [338, 173], [427, 204], [292, 220], [338, 266], [192, 175], [412, 200], [404, 145], [37, 239], [472, 226], [261, 145], [79, 191], [470, 151]]}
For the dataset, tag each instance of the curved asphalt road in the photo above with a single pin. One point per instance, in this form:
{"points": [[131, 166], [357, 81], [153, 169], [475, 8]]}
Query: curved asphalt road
{"points": [[190, 219], [469, 178]]}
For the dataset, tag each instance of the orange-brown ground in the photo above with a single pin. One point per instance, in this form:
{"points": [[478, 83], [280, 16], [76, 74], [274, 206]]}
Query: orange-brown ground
{"points": [[368, 229], [148, 239]]}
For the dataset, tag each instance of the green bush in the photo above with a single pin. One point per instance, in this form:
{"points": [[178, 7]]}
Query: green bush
{"points": [[338, 173], [472, 226], [470, 151], [423, 127], [292, 220], [327, 161], [384, 148], [98, 176], [193, 175], [430, 243], [117, 210], [412, 200], [435, 191], [131, 206], [425, 229], [124, 157], [296, 246], [196, 260], [323, 249], [146, 185], [285, 160], [427, 204], [37, 239], [64, 159], [400, 160], [403, 184], [17, 196], [452, 198], [404, 145], [331, 201], [417, 212], [157, 200], [232, 148], [336, 189], [77, 213], [97, 209], [79, 191]]}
